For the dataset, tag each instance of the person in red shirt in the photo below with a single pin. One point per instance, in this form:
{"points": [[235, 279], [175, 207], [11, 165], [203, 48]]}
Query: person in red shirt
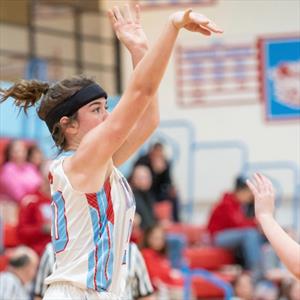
{"points": [[34, 227], [168, 282], [230, 228]]}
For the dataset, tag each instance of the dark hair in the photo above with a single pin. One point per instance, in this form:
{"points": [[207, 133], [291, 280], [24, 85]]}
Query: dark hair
{"points": [[7, 150], [133, 170], [147, 233], [157, 145], [20, 261], [31, 150], [240, 183], [27, 93]]}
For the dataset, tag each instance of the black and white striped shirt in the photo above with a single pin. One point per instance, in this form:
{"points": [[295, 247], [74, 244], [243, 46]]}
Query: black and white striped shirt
{"points": [[11, 287], [138, 283], [46, 267]]}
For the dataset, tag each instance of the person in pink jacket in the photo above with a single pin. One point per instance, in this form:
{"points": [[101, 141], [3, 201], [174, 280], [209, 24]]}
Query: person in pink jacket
{"points": [[18, 177]]}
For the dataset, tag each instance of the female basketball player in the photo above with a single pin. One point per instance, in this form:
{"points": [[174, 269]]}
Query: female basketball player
{"points": [[92, 203], [286, 248]]}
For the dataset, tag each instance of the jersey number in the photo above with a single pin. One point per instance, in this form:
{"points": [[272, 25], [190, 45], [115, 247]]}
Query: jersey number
{"points": [[60, 236]]}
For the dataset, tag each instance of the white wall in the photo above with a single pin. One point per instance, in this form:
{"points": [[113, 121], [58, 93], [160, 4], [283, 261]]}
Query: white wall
{"points": [[243, 21]]}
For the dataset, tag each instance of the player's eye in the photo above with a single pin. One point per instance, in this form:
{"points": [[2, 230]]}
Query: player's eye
{"points": [[96, 109]]}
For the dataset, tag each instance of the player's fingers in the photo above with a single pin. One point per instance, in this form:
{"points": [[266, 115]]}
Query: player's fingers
{"points": [[205, 22], [198, 18], [258, 182], [213, 27], [127, 13], [117, 14], [268, 184], [186, 16], [252, 187], [137, 13], [203, 30], [111, 17], [264, 184]]}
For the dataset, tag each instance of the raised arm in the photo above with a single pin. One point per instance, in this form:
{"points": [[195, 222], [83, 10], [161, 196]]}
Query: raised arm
{"points": [[100, 143], [285, 247], [129, 31]]}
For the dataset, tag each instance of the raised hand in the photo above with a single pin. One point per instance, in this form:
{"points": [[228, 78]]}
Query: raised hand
{"points": [[127, 27], [263, 192], [194, 22]]}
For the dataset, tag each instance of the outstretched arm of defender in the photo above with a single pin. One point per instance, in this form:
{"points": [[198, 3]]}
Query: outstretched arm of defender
{"points": [[285, 247]]}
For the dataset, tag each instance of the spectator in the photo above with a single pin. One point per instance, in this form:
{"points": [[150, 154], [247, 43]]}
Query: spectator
{"points": [[231, 229], [34, 227], [163, 277], [141, 181], [162, 185], [35, 156], [21, 271], [18, 177]]}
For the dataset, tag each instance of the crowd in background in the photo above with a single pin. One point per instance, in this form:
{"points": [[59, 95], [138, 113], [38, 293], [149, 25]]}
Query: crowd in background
{"points": [[231, 225]]}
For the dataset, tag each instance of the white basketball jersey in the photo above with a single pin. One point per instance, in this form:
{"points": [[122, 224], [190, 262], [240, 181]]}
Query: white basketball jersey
{"points": [[91, 232]]}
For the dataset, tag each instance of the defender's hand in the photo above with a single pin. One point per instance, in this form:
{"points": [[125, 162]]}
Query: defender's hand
{"points": [[263, 192]]}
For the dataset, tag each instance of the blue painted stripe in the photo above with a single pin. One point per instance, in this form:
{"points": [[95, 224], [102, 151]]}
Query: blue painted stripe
{"points": [[61, 242], [103, 205], [91, 259], [91, 268], [106, 255]]}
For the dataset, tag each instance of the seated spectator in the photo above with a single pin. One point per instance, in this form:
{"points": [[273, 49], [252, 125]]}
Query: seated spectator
{"points": [[162, 185], [163, 277], [231, 229], [140, 181], [14, 283], [18, 177], [34, 227], [243, 287], [35, 156]]}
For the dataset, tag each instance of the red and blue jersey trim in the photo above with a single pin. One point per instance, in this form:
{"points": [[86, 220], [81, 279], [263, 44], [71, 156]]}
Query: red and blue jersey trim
{"points": [[100, 261]]}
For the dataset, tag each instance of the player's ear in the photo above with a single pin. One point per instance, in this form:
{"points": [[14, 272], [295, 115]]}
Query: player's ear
{"points": [[70, 126]]}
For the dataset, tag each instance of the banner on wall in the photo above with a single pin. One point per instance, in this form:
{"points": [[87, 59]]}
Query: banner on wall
{"points": [[171, 3], [218, 74], [280, 74]]}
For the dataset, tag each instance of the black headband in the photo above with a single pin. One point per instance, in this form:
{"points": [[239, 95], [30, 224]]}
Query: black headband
{"points": [[72, 104]]}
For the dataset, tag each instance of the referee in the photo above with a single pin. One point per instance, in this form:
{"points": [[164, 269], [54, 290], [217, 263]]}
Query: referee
{"points": [[15, 281]]}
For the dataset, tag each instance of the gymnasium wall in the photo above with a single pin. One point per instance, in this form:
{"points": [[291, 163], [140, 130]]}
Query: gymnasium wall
{"points": [[231, 124]]}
